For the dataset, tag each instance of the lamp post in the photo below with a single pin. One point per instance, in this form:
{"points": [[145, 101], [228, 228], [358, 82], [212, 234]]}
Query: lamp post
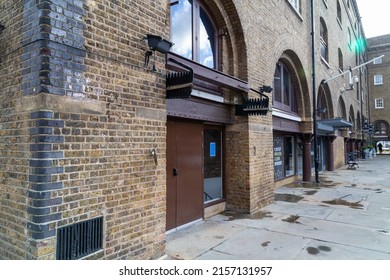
{"points": [[313, 58]]}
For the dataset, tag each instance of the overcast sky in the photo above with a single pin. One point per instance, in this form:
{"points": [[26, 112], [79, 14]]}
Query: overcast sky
{"points": [[375, 17]]}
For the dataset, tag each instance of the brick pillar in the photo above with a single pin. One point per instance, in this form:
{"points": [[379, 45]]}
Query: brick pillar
{"points": [[330, 160], [306, 139]]}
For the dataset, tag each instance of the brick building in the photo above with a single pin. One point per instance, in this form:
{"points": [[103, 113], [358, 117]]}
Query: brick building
{"points": [[378, 81], [106, 145]]}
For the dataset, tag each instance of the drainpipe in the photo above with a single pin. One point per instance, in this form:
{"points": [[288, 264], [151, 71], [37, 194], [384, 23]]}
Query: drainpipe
{"points": [[313, 58]]}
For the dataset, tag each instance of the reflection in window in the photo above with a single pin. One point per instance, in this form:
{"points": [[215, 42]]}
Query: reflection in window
{"points": [[212, 165], [284, 94], [324, 40], [380, 128], [193, 33], [289, 155]]}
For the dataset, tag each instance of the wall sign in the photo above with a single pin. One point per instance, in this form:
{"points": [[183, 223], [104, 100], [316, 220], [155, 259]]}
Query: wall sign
{"points": [[278, 157], [213, 149]]}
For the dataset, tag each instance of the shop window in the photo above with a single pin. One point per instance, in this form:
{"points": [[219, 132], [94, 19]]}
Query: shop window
{"points": [[285, 156], [289, 159], [193, 32], [284, 93]]}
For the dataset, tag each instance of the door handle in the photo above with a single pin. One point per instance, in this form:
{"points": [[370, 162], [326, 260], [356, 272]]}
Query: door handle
{"points": [[175, 173]]}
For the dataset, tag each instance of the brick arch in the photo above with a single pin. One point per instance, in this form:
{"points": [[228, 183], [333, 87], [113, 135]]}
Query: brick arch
{"points": [[324, 93], [231, 37], [298, 75], [351, 117], [341, 109]]}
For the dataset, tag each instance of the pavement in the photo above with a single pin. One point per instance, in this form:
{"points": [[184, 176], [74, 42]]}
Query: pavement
{"points": [[344, 217]]}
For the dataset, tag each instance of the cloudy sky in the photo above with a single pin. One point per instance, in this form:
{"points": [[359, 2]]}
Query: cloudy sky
{"points": [[375, 17]]}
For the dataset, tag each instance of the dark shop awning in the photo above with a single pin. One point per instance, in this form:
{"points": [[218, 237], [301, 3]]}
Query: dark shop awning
{"points": [[330, 125]]}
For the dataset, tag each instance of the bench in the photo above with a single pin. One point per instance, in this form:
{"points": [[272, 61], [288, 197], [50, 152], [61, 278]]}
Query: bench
{"points": [[351, 161]]}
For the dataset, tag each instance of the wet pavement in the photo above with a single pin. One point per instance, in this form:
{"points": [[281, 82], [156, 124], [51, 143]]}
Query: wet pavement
{"points": [[346, 216]]}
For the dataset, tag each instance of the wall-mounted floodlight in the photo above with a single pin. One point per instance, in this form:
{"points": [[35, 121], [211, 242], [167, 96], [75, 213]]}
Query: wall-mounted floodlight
{"points": [[156, 43], [321, 110], [266, 89]]}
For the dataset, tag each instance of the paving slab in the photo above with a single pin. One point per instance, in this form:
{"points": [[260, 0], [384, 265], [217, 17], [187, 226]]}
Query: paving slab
{"points": [[301, 209], [367, 219], [317, 250], [265, 245], [346, 216], [191, 242]]}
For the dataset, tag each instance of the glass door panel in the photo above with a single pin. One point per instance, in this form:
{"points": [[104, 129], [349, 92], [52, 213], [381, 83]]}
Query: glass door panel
{"points": [[212, 165]]}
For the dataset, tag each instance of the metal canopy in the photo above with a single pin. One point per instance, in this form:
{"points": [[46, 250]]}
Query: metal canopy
{"points": [[330, 125]]}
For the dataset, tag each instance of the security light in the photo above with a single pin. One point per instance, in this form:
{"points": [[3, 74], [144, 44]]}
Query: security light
{"points": [[156, 43], [266, 89]]}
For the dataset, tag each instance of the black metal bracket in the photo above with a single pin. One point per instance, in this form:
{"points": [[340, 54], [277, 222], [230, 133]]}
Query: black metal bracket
{"points": [[253, 106], [179, 84]]}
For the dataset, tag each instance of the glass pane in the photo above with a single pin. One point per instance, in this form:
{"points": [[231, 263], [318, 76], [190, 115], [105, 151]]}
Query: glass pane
{"points": [[277, 89], [286, 86], [212, 165], [181, 28], [299, 157], [278, 157], [289, 156], [206, 41]]}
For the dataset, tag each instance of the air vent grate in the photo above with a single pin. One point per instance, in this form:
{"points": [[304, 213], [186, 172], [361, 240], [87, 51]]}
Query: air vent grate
{"points": [[80, 239]]}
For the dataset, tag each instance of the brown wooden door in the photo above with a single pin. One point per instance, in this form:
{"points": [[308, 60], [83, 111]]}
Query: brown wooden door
{"points": [[184, 173]]}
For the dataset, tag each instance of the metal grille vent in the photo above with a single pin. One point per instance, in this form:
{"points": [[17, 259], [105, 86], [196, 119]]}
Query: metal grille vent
{"points": [[80, 239]]}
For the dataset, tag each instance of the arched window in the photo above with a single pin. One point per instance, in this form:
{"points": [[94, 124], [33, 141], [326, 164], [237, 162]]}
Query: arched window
{"points": [[341, 110], [381, 128], [193, 33], [324, 39], [339, 17], [284, 93], [341, 60]]}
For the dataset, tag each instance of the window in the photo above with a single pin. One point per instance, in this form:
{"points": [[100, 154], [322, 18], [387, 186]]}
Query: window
{"points": [[378, 80], [284, 93], [341, 60], [296, 5], [339, 18], [380, 128], [193, 33], [349, 38], [378, 60], [379, 104], [324, 40], [285, 156]]}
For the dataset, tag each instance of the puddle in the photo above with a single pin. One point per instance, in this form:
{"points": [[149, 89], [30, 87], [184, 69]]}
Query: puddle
{"points": [[218, 237], [293, 219], [312, 250], [312, 185], [325, 248], [310, 192], [339, 201], [316, 251], [287, 197], [255, 216], [265, 244]]}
